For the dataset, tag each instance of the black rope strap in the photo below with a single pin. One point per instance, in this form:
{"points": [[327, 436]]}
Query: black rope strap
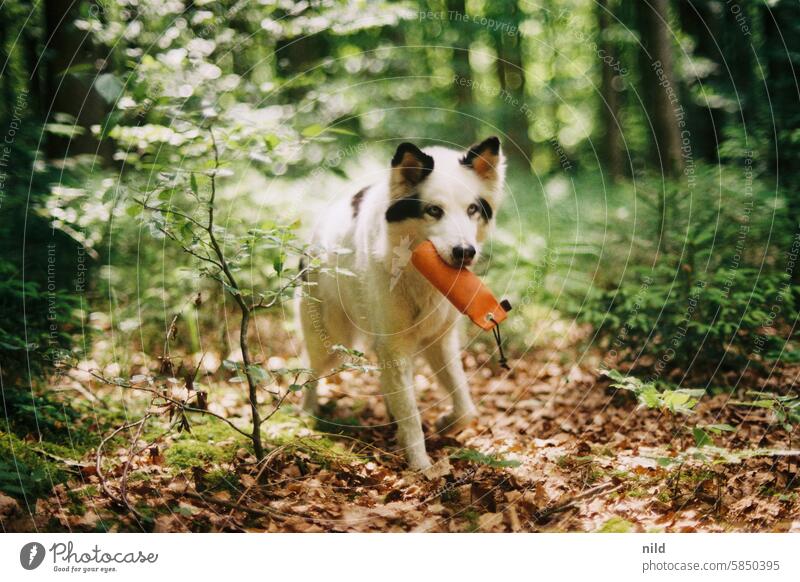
{"points": [[499, 340]]}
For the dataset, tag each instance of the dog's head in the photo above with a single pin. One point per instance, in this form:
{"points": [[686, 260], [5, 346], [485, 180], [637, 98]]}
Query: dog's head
{"points": [[446, 196]]}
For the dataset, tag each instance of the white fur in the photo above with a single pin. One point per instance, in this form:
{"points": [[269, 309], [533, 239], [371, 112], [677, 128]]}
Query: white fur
{"points": [[388, 303]]}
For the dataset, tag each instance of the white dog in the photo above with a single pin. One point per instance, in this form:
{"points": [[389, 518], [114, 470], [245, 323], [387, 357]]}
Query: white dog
{"points": [[440, 194]]}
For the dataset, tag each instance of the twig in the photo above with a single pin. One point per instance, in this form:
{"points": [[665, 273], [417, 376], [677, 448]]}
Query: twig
{"points": [[279, 292], [71, 464], [357, 441], [124, 481], [230, 504], [570, 503], [264, 464], [187, 250], [246, 310], [276, 407], [168, 210], [99, 459], [180, 404], [88, 394]]}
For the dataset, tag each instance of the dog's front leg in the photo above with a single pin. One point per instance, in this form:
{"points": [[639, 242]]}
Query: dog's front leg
{"points": [[398, 390], [444, 357]]}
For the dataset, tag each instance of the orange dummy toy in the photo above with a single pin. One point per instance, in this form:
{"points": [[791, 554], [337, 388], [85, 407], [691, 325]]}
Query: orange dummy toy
{"points": [[464, 290]]}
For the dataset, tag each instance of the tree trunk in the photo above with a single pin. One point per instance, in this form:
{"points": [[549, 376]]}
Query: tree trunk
{"points": [[659, 88], [32, 48], [460, 62], [610, 107], [511, 77], [7, 79], [708, 32], [781, 47], [67, 47]]}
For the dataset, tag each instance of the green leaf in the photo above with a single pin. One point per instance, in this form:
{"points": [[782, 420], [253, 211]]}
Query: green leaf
{"points": [[64, 129], [257, 372], [111, 121], [312, 130], [134, 210], [616, 525], [271, 141], [719, 428], [480, 458], [701, 437], [109, 87], [341, 131]]}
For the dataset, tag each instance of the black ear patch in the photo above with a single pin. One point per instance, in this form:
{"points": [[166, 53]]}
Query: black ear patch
{"points": [[490, 145], [484, 158], [412, 163]]}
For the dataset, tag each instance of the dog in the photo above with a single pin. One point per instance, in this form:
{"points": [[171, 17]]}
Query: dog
{"points": [[363, 286]]}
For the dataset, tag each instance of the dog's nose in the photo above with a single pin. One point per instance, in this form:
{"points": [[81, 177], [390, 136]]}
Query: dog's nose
{"points": [[464, 253]]}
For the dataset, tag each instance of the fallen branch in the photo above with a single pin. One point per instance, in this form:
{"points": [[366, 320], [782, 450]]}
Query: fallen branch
{"points": [[99, 464], [572, 502], [229, 504], [72, 465], [124, 480]]}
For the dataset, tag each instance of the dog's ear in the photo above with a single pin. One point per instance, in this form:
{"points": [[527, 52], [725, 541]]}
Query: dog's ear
{"points": [[410, 165], [486, 159]]}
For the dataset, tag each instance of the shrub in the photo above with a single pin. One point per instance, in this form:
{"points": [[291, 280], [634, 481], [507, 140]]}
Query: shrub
{"points": [[696, 325], [709, 282]]}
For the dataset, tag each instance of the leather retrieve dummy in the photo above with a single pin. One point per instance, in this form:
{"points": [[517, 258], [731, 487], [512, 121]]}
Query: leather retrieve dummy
{"points": [[464, 290]]}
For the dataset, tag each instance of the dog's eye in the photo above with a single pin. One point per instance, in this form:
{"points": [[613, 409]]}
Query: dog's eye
{"points": [[473, 209], [434, 211]]}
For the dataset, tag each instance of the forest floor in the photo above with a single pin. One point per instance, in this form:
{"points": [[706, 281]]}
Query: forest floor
{"points": [[555, 449]]}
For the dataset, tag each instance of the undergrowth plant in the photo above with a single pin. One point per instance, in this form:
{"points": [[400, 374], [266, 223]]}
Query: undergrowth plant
{"points": [[708, 285], [669, 400]]}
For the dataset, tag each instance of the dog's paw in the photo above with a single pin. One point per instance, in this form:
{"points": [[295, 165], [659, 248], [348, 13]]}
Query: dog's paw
{"points": [[455, 422]]}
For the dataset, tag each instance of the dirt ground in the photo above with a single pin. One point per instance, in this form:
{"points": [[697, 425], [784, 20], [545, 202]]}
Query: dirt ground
{"points": [[555, 449]]}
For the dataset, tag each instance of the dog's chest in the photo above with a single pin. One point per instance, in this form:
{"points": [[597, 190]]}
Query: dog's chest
{"points": [[430, 311]]}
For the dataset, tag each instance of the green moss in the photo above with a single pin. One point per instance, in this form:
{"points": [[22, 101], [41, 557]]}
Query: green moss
{"points": [[139, 477], [287, 430], [664, 496], [616, 525], [75, 505], [209, 442], [473, 525], [603, 451], [74, 453], [323, 451], [595, 474], [636, 492], [221, 480], [24, 473]]}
